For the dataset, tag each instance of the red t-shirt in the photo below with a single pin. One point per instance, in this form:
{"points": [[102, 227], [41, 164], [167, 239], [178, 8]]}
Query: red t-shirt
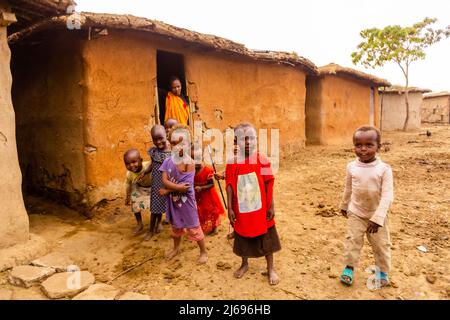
{"points": [[251, 202]]}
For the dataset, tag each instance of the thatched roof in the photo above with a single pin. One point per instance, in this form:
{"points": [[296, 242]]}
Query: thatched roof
{"points": [[129, 22], [400, 89], [436, 95], [29, 12], [337, 70]]}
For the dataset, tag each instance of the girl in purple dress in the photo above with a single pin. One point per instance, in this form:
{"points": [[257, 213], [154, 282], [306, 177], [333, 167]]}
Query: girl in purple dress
{"points": [[178, 173]]}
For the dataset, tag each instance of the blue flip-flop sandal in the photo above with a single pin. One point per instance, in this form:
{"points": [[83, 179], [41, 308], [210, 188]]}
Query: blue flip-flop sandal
{"points": [[383, 276], [349, 274]]}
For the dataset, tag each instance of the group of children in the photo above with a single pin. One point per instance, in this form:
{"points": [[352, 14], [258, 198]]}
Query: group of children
{"points": [[175, 184]]}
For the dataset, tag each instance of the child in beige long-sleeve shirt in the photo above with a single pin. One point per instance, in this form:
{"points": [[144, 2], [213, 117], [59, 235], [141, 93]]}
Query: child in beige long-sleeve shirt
{"points": [[367, 197]]}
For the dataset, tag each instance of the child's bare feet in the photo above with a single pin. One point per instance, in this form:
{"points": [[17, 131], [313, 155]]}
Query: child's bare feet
{"points": [[172, 254], [203, 258], [239, 273], [148, 236], [159, 228], [273, 277], [138, 229], [230, 235]]}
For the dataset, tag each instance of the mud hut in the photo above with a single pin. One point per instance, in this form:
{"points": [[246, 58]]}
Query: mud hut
{"points": [[338, 101], [15, 15], [436, 108], [85, 94], [393, 107]]}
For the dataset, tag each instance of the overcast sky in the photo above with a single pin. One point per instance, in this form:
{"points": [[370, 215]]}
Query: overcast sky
{"points": [[323, 31]]}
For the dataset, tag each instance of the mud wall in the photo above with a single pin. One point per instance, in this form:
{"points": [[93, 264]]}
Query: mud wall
{"points": [[338, 106], [14, 226], [394, 111], [436, 110], [47, 97], [119, 97]]}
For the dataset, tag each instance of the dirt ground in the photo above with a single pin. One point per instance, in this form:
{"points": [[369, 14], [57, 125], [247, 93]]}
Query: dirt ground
{"points": [[308, 189]]}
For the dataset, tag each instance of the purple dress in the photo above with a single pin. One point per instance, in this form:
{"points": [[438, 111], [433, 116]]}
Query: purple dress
{"points": [[181, 207]]}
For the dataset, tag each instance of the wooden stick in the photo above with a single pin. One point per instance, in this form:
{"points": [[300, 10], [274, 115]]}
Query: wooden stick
{"points": [[130, 269]]}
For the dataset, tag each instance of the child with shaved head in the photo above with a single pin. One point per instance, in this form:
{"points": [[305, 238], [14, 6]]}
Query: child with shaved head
{"points": [[137, 185], [365, 203], [158, 153]]}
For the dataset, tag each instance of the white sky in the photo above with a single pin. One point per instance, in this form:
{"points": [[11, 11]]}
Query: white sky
{"points": [[323, 31]]}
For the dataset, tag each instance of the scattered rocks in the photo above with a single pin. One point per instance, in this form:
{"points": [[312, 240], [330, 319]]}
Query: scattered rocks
{"points": [[67, 284], [321, 205], [98, 291], [332, 276], [431, 278], [28, 276], [5, 294], [327, 213], [133, 296], [223, 265], [53, 260]]}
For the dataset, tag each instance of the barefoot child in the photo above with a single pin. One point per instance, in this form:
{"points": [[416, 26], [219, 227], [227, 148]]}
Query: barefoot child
{"points": [[137, 190], [250, 204], [178, 178], [209, 206], [158, 154], [366, 200]]}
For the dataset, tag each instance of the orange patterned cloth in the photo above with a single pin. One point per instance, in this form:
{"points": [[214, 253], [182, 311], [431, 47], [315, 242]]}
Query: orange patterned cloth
{"points": [[176, 108]]}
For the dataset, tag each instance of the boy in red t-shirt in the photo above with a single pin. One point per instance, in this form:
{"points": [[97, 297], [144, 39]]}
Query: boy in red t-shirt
{"points": [[251, 210]]}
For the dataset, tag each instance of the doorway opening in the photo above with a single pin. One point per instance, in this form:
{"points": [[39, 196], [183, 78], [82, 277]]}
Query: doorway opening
{"points": [[168, 64]]}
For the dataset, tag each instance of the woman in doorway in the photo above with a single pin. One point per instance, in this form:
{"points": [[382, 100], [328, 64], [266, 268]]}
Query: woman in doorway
{"points": [[177, 106]]}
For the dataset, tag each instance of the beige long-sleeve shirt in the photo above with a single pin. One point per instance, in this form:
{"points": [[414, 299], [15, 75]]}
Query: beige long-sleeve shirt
{"points": [[369, 190]]}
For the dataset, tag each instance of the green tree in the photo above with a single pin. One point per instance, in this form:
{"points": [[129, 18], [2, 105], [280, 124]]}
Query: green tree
{"points": [[401, 45]]}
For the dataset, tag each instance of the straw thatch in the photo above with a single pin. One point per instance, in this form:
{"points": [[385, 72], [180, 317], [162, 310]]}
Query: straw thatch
{"points": [[335, 69], [129, 22], [437, 95], [400, 89], [29, 12]]}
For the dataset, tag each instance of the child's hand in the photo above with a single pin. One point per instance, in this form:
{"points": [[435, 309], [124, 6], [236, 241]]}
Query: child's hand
{"points": [[198, 189], [127, 200], [372, 227], [140, 177], [344, 213], [163, 192], [270, 214], [231, 216], [184, 188], [219, 176]]}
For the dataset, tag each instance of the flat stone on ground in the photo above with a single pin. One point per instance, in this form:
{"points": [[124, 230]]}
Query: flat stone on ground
{"points": [[98, 291], [54, 260], [67, 284], [27, 276], [133, 296]]}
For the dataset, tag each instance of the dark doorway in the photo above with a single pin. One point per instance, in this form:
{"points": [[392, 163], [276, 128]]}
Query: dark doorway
{"points": [[168, 64]]}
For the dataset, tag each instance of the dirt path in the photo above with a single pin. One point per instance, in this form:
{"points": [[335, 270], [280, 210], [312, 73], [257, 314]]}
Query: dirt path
{"points": [[308, 190]]}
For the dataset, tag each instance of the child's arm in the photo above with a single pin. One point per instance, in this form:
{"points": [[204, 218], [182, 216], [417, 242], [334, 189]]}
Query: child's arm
{"points": [[147, 170], [347, 193], [128, 192], [231, 214], [387, 196], [174, 187], [269, 195]]}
